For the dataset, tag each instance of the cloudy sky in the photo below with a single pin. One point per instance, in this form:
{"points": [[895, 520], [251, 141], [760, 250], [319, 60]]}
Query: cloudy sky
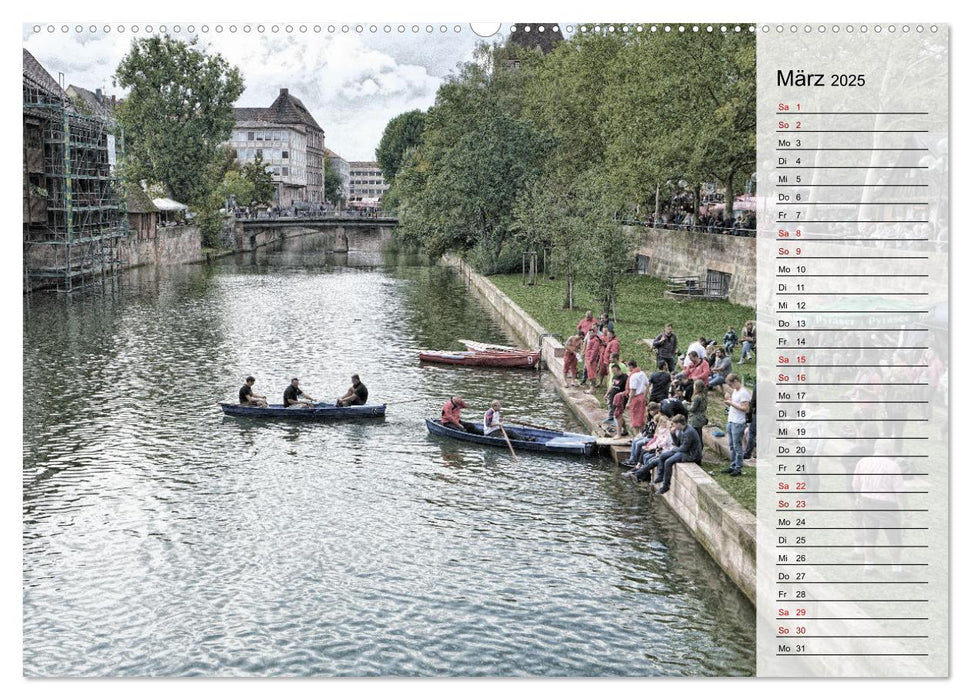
{"points": [[352, 83]]}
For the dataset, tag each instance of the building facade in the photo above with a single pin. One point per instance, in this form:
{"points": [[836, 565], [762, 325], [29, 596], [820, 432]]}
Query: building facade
{"points": [[73, 204], [367, 185], [343, 169], [291, 144]]}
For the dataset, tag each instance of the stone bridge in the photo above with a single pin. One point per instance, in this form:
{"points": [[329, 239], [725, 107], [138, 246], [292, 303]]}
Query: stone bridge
{"points": [[347, 232]]}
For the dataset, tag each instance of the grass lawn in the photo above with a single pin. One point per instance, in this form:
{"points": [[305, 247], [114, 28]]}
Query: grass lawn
{"points": [[642, 311], [741, 488]]}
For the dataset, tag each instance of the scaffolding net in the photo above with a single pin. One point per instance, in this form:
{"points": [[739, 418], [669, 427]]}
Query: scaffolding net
{"points": [[74, 206]]}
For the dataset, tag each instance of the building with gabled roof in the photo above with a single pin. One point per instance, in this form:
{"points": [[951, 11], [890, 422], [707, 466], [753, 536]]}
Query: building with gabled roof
{"points": [[287, 138]]}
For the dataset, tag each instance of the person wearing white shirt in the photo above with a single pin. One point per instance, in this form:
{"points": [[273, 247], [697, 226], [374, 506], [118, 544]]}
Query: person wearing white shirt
{"points": [[738, 406]]}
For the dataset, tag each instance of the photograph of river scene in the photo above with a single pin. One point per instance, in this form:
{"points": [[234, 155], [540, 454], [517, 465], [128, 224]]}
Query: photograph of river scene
{"points": [[205, 206]]}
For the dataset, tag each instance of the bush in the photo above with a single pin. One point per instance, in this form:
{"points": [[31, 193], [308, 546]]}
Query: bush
{"points": [[483, 259]]}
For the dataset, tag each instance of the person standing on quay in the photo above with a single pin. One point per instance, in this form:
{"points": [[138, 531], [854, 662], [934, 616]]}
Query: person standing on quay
{"points": [[637, 393], [594, 349], [571, 354], [738, 407], [586, 323], [666, 347], [611, 348]]}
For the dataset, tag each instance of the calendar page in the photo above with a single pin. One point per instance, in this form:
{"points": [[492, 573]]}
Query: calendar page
{"points": [[435, 349]]}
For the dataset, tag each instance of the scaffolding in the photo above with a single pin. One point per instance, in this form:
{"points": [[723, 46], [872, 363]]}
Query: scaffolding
{"points": [[74, 208]]}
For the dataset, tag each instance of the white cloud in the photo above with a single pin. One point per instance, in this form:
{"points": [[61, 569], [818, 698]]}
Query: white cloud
{"points": [[352, 84]]}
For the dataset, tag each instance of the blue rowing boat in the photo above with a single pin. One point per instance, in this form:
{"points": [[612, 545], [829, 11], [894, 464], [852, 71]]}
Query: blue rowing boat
{"points": [[319, 411], [532, 439]]}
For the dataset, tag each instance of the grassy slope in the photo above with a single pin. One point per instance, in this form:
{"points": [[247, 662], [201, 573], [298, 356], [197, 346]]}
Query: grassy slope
{"points": [[642, 311]]}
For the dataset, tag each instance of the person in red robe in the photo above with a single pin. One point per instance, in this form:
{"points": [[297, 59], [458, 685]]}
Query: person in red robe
{"points": [[637, 386], [611, 348], [570, 355], [586, 323], [452, 412], [595, 348]]}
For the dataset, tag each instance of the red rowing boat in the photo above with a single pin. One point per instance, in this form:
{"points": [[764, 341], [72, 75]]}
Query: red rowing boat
{"points": [[474, 358]]}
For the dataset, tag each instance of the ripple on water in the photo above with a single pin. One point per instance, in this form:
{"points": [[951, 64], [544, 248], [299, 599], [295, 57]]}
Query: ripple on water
{"points": [[161, 538]]}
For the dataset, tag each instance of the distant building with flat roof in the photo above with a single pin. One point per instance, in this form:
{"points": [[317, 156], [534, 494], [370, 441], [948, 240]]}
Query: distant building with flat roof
{"points": [[367, 185]]}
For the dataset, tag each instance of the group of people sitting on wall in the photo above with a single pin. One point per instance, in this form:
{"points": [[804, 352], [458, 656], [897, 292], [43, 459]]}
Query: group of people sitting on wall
{"points": [[669, 407], [295, 397]]}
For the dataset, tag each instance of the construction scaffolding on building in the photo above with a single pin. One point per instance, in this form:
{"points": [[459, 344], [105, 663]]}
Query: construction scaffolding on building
{"points": [[74, 206]]}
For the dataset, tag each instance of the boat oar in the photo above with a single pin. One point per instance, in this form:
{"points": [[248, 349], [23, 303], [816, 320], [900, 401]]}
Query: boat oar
{"points": [[509, 444], [394, 403], [533, 425]]}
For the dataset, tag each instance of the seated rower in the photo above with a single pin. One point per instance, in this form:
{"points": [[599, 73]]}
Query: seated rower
{"points": [[492, 422], [452, 414], [292, 394], [247, 397], [356, 395]]}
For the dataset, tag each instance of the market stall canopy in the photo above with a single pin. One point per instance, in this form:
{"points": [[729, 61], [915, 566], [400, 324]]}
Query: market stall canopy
{"points": [[166, 204]]}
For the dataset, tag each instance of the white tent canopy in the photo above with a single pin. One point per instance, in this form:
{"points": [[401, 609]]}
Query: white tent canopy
{"points": [[166, 204]]}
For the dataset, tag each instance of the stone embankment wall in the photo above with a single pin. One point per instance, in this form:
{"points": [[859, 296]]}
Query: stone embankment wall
{"points": [[723, 527], [171, 245], [686, 253]]}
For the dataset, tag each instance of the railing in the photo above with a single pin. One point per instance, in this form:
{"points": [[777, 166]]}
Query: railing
{"points": [[383, 217], [714, 228]]}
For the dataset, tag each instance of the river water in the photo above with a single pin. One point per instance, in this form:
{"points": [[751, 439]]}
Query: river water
{"points": [[161, 538]]}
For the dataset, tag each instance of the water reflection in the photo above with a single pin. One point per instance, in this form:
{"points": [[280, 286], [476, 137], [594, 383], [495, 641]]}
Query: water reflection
{"points": [[161, 538]]}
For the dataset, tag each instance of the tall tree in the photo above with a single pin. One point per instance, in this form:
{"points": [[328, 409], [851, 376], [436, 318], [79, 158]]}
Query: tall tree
{"points": [[256, 173], [178, 111], [473, 162], [400, 134], [681, 106]]}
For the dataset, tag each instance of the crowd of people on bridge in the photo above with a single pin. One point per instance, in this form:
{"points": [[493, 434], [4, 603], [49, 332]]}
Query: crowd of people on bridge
{"points": [[668, 408]]}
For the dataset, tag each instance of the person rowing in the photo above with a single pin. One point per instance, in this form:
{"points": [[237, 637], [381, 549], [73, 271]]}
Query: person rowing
{"points": [[294, 397], [492, 422], [452, 414], [356, 395], [247, 397]]}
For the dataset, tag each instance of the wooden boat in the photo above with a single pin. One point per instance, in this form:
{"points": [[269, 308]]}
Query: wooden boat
{"points": [[473, 358], [488, 347], [319, 411], [532, 439]]}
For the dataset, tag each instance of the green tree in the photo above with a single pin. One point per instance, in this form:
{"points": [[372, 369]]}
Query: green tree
{"points": [[547, 215], [473, 162], [333, 185], [681, 107], [400, 134], [237, 186], [608, 247], [178, 111], [263, 188]]}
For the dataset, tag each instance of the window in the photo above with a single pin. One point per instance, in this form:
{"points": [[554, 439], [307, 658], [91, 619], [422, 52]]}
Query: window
{"points": [[286, 171], [259, 152], [642, 265], [286, 155], [250, 136]]}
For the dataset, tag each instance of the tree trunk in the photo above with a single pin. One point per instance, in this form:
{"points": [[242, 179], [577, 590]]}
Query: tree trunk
{"points": [[569, 287], [729, 196]]}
